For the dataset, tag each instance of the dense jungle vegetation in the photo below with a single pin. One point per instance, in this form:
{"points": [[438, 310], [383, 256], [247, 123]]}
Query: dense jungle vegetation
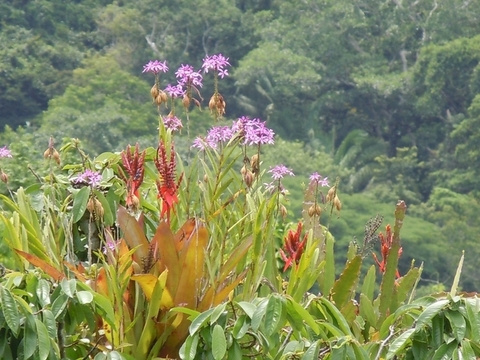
{"points": [[384, 95]]}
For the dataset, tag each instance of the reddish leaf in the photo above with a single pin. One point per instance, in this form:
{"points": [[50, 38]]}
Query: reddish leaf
{"points": [[47, 268]]}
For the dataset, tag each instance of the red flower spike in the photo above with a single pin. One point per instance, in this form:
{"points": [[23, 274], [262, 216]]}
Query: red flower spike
{"points": [[167, 186], [386, 242], [134, 166], [293, 248]]}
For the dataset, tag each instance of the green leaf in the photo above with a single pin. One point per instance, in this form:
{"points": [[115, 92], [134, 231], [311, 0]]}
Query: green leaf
{"points": [[430, 312], [368, 287], [59, 306], [108, 215], [189, 348], [344, 288], [240, 327], [312, 352], [438, 330], [473, 317], [259, 313], [273, 314], [327, 277], [10, 311], [43, 340], [293, 306], [43, 292], [200, 320], [235, 351], [406, 284], [366, 310], [445, 351], [80, 200], [217, 312], [467, 350], [456, 279], [114, 355], [84, 297], [104, 308], [69, 287], [50, 323], [248, 308], [29, 337], [458, 324], [219, 343], [399, 343]]}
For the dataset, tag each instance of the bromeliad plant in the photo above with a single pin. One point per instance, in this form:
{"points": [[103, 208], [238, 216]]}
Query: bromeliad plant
{"points": [[136, 256]]}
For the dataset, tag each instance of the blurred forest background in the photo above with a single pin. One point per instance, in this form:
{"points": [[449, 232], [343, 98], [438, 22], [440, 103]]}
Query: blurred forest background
{"points": [[384, 94]]}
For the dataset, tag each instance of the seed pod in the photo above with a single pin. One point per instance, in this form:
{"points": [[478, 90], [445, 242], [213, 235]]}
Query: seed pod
{"points": [[314, 210], [331, 194], [154, 92], [186, 101], [158, 100], [4, 177], [164, 96], [283, 211], [254, 163], [56, 156], [95, 208], [243, 170], [337, 203], [205, 178], [248, 177]]}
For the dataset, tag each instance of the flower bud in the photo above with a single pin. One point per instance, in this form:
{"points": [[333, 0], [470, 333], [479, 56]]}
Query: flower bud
{"points": [[4, 177], [314, 210], [154, 92], [205, 178], [337, 203]]}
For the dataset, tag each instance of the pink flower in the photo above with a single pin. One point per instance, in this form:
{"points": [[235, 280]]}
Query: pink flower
{"points": [[5, 152], [279, 171], [217, 63], [155, 67]]}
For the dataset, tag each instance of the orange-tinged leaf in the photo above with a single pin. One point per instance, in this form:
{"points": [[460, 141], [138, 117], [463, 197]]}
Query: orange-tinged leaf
{"points": [[237, 255], [47, 268], [164, 242], [184, 233], [133, 234], [101, 283], [192, 268], [79, 275], [147, 283]]}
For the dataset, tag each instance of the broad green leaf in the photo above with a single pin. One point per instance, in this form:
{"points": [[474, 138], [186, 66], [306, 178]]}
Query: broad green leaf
{"points": [[327, 277], [10, 311], [29, 337], [399, 343], [234, 351], [419, 349], [43, 292], [473, 317], [199, 321], [80, 200], [69, 287], [437, 330], [248, 308], [108, 214], [273, 314], [59, 306], [43, 340], [259, 314], [445, 351], [336, 315], [458, 324], [84, 297], [217, 312], [50, 323], [467, 350], [427, 315], [241, 327], [219, 343], [189, 348], [344, 288], [312, 352]]}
